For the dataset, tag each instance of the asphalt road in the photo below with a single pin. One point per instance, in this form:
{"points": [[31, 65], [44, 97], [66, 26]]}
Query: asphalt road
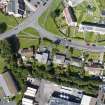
{"points": [[32, 21]]}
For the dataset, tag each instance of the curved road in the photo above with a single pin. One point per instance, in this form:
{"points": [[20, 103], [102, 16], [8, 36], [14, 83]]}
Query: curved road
{"points": [[32, 21]]}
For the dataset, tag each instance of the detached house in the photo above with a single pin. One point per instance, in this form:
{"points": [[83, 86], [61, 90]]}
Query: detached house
{"points": [[26, 54], [69, 16], [42, 57]]}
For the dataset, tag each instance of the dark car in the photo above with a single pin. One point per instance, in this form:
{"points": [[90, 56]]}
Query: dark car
{"points": [[93, 45], [69, 40], [57, 41], [87, 44], [44, 3]]}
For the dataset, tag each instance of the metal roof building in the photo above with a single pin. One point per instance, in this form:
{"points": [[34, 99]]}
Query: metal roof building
{"points": [[7, 85], [66, 96]]}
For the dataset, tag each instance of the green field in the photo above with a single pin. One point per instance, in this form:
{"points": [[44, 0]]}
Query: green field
{"points": [[9, 20], [28, 42], [30, 31], [46, 20], [28, 37]]}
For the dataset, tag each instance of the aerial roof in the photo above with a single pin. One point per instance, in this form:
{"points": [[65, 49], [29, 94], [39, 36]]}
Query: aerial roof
{"points": [[69, 16], [10, 82], [74, 3], [97, 28], [59, 101], [7, 85], [42, 57], [86, 100]]}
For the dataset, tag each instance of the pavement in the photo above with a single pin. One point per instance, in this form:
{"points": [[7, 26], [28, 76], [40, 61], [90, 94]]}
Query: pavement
{"points": [[32, 21], [45, 90]]}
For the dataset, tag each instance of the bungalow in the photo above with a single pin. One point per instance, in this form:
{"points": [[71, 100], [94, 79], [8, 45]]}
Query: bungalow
{"points": [[59, 59], [42, 57], [92, 28], [7, 85], [74, 3], [69, 16]]}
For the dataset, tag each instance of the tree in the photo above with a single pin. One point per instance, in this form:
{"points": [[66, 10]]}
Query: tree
{"points": [[3, 27], [5, 49], [71, 50], [56, 13]]}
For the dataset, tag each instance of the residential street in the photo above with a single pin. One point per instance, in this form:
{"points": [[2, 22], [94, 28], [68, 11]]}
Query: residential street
{"points": [[32, 21]]}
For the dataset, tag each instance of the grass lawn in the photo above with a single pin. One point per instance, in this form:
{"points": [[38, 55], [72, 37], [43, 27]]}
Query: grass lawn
{"points": [[76, 53], [94, 56], [2, 64], [102, 43], [90, 37], [27, 42], [101, 4], [30, 31], [46, 20], [9, 20], [82, 12], [18, 97]]}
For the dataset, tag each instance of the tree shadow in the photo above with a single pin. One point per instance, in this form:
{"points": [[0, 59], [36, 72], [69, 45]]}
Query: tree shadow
{"points": [[14, 43], [3, 27]]}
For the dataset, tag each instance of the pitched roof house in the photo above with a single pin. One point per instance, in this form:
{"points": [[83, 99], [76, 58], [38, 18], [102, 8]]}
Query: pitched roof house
{"points": [[69, 16]]}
